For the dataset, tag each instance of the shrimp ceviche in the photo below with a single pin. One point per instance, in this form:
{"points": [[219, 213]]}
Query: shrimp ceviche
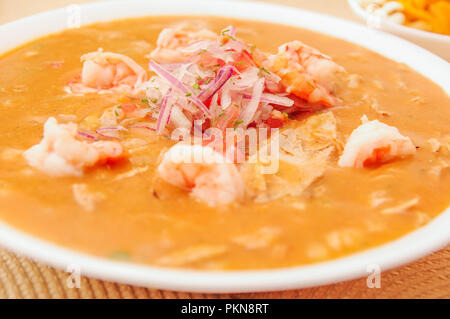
{"points": [[203, 80], [217, 144]]}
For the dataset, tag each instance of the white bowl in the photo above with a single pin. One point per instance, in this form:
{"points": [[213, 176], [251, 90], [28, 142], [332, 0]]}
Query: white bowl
{"points": [[436, 43], [412, 246]]}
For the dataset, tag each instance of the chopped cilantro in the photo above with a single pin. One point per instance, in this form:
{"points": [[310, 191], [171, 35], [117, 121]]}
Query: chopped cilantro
{"points": [[224, 33], [188, 94], [144, 100], [208, 80], [196, 85], [263, 69]]}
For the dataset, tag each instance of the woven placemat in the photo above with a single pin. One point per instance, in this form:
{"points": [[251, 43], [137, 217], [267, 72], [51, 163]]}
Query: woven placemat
{"points": [[428, 277]]}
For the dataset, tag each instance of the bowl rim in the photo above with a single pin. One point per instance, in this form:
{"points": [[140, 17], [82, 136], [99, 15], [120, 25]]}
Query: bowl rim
{"points": [[356, 7], [411, 246]]}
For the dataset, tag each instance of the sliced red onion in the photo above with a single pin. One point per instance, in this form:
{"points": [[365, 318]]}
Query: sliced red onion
{"points": [[140, 126], [164, 112], [112, 128], [101, 131], [222, 77], [179, 86], [249, 110], [168, 117], [273, 99], [86, 135]]}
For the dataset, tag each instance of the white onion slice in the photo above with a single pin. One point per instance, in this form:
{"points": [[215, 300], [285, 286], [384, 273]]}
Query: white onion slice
{"points": [[249, 110], [273, 99], [178, 119]]}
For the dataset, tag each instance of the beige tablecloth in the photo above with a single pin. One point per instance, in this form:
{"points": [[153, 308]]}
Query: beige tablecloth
{"points": [[20, 277]]}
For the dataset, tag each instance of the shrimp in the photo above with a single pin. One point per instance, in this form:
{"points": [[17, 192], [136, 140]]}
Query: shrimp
{"points": [[305, 72], [375, 143], [172, 41], [206, 174], [108, 71], [60, 154]]}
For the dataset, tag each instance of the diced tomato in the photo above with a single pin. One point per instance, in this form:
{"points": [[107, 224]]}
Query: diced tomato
{"points": [[242, 60], [206, 124], [208, 101], [276, 119], [274, 123], [219, 99], [228, 118]]}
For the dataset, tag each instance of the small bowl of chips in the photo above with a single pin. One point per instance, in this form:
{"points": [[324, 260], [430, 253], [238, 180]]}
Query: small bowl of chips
{"points": [[424, 22]]}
